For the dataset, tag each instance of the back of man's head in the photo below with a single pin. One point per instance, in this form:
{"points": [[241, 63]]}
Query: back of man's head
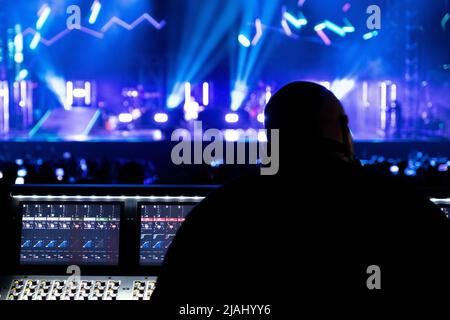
{"points": [[312, 123]]}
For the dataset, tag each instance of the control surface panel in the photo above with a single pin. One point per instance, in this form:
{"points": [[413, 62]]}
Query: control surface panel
{"points": [[85, 288]]}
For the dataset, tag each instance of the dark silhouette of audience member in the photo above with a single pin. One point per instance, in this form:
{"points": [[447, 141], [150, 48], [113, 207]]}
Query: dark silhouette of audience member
{"points": [[306, 237]]}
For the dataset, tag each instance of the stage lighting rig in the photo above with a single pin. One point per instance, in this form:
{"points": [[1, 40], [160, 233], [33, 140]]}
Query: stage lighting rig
{"points": [[80, 94], [4, 107]]}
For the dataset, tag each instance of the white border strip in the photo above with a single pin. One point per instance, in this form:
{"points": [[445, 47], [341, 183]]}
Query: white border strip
{"points": [[441, 201], [93, 197]]}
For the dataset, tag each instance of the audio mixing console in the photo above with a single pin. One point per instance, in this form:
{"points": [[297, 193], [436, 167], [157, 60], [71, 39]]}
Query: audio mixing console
{"points": [[86, 288], [116, 238]]}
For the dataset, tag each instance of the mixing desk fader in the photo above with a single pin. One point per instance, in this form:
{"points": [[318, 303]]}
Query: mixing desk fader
{"points": [[87, 288]]}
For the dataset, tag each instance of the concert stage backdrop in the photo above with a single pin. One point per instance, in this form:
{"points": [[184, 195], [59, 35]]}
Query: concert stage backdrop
{"points": [[136, 69]]}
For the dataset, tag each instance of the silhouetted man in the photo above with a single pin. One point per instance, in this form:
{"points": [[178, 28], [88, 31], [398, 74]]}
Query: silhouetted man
{"points": [[320, 232]]}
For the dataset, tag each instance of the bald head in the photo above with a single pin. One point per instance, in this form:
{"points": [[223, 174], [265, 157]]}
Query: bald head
{"points": [[309, 114]]}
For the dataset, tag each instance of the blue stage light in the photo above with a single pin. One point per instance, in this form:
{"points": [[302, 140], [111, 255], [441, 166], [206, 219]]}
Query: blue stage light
{"points": [[187, 92], [444, 21], [244, 41], [22, 75], [95, 10], [125, 117], [44, 13], [59, 173], [18, 57], [370, 35], [232, 117], [410, 172], [394, 169], [348, 28], [320, 26], [249, 63], [35, 41], [261, 118], [161, 117], [238, 95], [334, 28], [206, 23], [205, 90], [342, 87], [57, 85], [297, 23], [18, 44], [22, 172], [174, 100]]}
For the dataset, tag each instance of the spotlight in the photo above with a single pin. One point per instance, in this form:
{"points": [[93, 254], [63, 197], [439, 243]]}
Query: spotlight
{"points": [[22, 172], [157, 135], [187, 92], [59, 173], [297, 23], [261, 118], [238, 95], [320, 26], [4, 106], [324, 37], [18, 57], [161, 117], [95, 10], [244, 41], [174, 100], [231, 135], [342, 87], [35, 41], [125, 117], [205, 93], [348, 28], [259, 32], [43, 13], [78, 94], [22, 75], [370, 35], [268, 94], [232, 117], [394, 169], [136, 114], [191, 110], [334, 28], [18, 45]]}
